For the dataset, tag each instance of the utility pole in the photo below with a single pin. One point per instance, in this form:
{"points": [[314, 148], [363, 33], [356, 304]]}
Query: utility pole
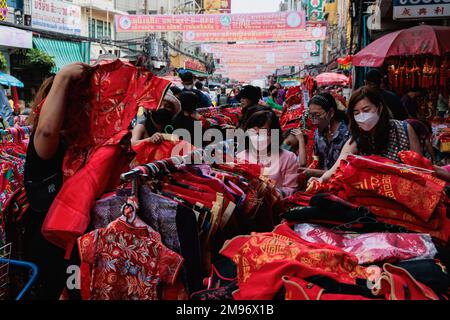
{"points": [[145, 7]]}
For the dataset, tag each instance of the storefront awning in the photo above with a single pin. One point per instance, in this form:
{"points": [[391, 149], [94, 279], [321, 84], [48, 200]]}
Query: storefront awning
{"points": [[64, 52]]}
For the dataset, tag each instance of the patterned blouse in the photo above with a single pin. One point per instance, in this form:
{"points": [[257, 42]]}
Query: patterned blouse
{"points": [[329, 152], [398, 140]]}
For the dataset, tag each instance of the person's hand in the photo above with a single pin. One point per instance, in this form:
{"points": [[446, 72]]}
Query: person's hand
{"points": [[313, 184], [298, 133], [157, 138], [73, 72]]}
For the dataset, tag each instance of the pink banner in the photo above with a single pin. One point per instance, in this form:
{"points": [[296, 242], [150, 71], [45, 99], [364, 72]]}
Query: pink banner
{"points": [[310, 33], [211, 22], [304, 46]]}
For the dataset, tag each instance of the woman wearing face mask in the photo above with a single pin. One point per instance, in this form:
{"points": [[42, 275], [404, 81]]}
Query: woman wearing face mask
{"points": [[281, 166], [373, 131], [157, 121], [331, 134]]}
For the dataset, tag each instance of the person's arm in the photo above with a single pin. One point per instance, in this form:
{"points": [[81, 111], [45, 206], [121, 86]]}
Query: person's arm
{"points": [[302, 159], [442, 173], [430, 150], [138, 134], [349, 148], [290, 176], [51, 118], [414, 142]]}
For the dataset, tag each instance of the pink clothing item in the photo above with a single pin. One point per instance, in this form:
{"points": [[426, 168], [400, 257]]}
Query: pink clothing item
{"points": [[372, 247], [281, 167]]}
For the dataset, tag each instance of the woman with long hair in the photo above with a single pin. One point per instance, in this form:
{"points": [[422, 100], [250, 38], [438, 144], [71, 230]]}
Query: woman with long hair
{"points": [[43, 172], [373, 131], [264, 148]]}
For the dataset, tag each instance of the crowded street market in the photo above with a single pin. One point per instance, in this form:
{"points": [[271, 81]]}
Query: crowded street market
{"points": [[225, 151]]}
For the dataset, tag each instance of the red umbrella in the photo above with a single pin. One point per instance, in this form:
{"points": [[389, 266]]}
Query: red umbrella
{"points": [[423, 39], [331, 79]]}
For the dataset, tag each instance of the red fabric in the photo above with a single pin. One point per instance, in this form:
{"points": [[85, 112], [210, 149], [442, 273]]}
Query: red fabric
{"points": [[414, 159], [397, 284], [116, 90], [127, 262], [419, 40], [299, 289], [69, 215], [16, 99], [94, 160], [147, 151], [262, 259], [397, 183]]}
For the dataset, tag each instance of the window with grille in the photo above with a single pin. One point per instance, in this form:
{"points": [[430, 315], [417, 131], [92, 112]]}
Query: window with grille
{"points": [[99, 29]]}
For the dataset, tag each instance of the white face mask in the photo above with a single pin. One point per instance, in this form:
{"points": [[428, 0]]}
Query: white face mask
{"points": [[189, 87], [367, 120]]}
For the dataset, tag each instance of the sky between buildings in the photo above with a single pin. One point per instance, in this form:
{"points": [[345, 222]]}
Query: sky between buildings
{"points": [[254, 6]]}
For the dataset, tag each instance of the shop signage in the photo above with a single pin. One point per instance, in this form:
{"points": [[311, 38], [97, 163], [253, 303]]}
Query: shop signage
{"points": [[217, 6], [421, 9], [57, 16], [315, 10], [12, 37], [194, 65], [289, 20]]}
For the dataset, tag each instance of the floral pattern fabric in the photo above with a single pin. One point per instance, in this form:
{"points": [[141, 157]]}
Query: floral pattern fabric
{"points": [[127, 263]]}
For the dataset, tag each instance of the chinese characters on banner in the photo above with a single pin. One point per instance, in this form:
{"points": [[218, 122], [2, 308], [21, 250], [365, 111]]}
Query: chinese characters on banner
{"points": [[310, 33], [217, 6], [315, 10], [57, 16], [290, 20], [421, 9], [245, 48]]}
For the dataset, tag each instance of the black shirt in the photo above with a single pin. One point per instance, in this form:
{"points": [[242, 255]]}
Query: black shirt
{"points": [[43, 178]]}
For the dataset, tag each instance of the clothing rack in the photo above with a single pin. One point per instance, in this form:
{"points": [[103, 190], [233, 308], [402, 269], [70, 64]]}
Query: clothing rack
{"points": [[225, 106], [153, 167], [16, 132]]}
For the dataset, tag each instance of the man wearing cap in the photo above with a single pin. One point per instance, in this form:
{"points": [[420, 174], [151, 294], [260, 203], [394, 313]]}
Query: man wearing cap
{"points": [[392, 101], [187, 79]]}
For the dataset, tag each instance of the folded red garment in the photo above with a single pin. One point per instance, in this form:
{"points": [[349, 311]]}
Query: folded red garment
{"points": [[147, 151]]}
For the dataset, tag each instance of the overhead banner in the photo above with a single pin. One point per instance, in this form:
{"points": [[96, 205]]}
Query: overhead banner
{"points": [[217, 6], [289, 20], [310, 33], [295, 47], [57, 16], [421, 9]]}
